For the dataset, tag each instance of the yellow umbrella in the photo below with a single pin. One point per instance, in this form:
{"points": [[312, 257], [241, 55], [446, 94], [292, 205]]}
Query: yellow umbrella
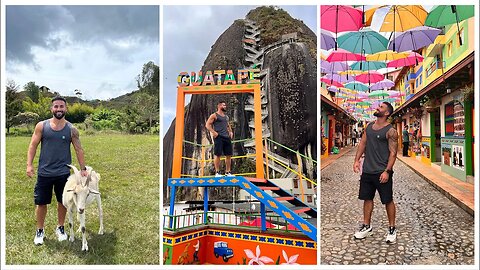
{"points": [[400, 18], [387, 56], [352, 72], [369, 15]]}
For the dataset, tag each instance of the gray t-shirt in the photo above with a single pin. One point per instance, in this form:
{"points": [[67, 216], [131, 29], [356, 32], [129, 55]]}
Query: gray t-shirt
{"points": [[376, 150], [220, 125], [55, 152]]}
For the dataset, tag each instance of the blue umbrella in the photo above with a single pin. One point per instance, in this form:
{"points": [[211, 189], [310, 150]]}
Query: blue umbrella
{"points": [[367, 65], [414, 39], [327, 41]]}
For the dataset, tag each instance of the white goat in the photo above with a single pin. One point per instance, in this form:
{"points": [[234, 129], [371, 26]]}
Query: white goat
{"points": [[79, 192]]}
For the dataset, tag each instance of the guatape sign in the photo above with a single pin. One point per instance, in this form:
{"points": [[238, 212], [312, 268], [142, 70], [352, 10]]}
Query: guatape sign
{"points": [[219, 77]]}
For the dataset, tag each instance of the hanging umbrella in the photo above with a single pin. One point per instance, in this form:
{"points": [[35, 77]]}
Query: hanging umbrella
{"points": [[357, 86], [330, 82], [386, 56], [415, 38], [370, 77], [367, 65], [333, 89], [364, 103], [394, 93], [412, 59], [337, 77], [329, 67], [400, 18], [385, 83], [363, 41], [327, 41], [340, 18], [449, 14], [344, 55], [351, 72], [378, 94]]}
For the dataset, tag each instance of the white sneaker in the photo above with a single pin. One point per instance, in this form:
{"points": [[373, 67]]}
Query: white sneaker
{"points": [[218, 174], [391, 235], [363, 232], [39, 235], [60, 231], [229, 174]]}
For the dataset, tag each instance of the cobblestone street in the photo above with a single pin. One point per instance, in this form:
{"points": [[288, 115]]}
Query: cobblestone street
{"points": [[431, 228]]}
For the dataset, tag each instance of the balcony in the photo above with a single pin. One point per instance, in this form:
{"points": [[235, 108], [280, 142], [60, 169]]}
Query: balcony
{"points": [[433, 68]]}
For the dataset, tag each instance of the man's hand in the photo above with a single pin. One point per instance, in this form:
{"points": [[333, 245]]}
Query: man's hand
{"points": [[356, 166], [84, 173], [231, 134], [30, 171], [215, 134], [384, 177]]}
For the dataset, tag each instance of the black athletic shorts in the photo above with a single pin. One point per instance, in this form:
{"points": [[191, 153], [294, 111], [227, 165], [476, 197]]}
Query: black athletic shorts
{"points": [[222, 146], [369, 183], [42, 193]]}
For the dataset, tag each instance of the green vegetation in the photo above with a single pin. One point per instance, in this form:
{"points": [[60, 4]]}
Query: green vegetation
{"points": [[136, 112], [129, 168]]}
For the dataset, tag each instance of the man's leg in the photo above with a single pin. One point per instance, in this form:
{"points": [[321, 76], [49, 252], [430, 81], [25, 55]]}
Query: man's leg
{"points": [[61, 213], [40, 213], [367, 211], [228, 164], [216, 163], [391, 213]]}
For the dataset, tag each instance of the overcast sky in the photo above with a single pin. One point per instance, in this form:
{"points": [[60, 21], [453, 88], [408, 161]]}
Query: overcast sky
{"points": [[96, 49], [190, 31]]}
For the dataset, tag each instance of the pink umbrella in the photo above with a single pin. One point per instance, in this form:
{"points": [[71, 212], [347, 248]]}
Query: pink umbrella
{"points": [[331, 82], [339, 18], [344, 55], [370, 77], [412, 59], [337, 77]]}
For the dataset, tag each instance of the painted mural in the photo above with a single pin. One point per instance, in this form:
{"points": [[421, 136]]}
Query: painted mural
{"points": [[212, 246]]}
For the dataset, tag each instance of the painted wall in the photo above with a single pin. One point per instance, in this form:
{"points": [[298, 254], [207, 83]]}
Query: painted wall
{"points": [[425, 123], [247, 247]]}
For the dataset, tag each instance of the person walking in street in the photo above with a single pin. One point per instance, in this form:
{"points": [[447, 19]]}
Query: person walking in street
{"points": [[339, 139], [379, 144], [55, 135], [354, 137], [222, 134], [406, 141]]}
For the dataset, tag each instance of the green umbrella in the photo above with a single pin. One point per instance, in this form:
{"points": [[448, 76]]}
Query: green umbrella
{"points": [[364, 103], [378, 94], [363, 42], [357, 86], [449, 14], [367, 65]]}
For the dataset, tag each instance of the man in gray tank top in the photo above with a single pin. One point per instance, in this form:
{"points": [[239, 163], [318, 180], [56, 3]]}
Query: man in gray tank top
{"points": [[379, 143], [55, 134], [222, 134]]}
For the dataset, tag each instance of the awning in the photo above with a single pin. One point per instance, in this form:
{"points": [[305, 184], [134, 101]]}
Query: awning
{"points": [[436, 47]]}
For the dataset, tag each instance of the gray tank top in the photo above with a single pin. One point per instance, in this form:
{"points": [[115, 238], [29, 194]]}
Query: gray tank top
{"points": [[220, 125], [55, 151], [376, 151]]}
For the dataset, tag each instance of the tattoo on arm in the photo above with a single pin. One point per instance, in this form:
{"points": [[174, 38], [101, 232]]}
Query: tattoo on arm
{"points": [[76, 139], [393, 142]]}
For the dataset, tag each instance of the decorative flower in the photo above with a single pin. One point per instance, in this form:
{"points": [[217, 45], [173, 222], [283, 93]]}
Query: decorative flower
{"points": [[289, 260], [256, 259]]}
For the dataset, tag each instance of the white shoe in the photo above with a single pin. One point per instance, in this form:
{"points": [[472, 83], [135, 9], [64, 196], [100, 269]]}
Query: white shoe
{"points": [[391, 235], [61, 235], [218, 175], [363, 232], [39, 235], [229, 174]]}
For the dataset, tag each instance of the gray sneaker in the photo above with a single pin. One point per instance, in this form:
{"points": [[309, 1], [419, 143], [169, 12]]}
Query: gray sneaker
{"points": [[364, 231], [39, 235], [60, 232]]}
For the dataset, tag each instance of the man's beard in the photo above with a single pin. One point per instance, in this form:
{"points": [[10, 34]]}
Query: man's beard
{"points": [[378, 114], [59, 115], [223, 109]]}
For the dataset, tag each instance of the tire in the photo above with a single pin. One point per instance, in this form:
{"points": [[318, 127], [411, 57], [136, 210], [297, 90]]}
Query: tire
{"points": [[225, 258], [216, 255]]}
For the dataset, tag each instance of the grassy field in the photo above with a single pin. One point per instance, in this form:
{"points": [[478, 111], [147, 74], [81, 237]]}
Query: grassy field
{"points": [[129, 168]]}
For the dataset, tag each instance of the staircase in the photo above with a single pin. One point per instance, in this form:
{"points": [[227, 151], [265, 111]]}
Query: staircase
{"points": [[284, 204]]}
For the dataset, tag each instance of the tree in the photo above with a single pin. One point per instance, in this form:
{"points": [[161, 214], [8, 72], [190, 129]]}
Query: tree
{"points": [[78, 93], [78, 112], [13, 104], [33, 91], [27, 118], [147, 107], [42, 108], [148, 80]]}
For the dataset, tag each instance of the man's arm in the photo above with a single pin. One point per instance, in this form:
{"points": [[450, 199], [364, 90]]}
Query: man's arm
{"points": [[209, 125], [392, 137], [230, 131], [78, 150], [32, 148], [360, 150]]}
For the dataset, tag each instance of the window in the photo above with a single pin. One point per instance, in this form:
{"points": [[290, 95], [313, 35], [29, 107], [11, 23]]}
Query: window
{"points": [[309, 184], [309, 198], [295, 183], [449, 48]]}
